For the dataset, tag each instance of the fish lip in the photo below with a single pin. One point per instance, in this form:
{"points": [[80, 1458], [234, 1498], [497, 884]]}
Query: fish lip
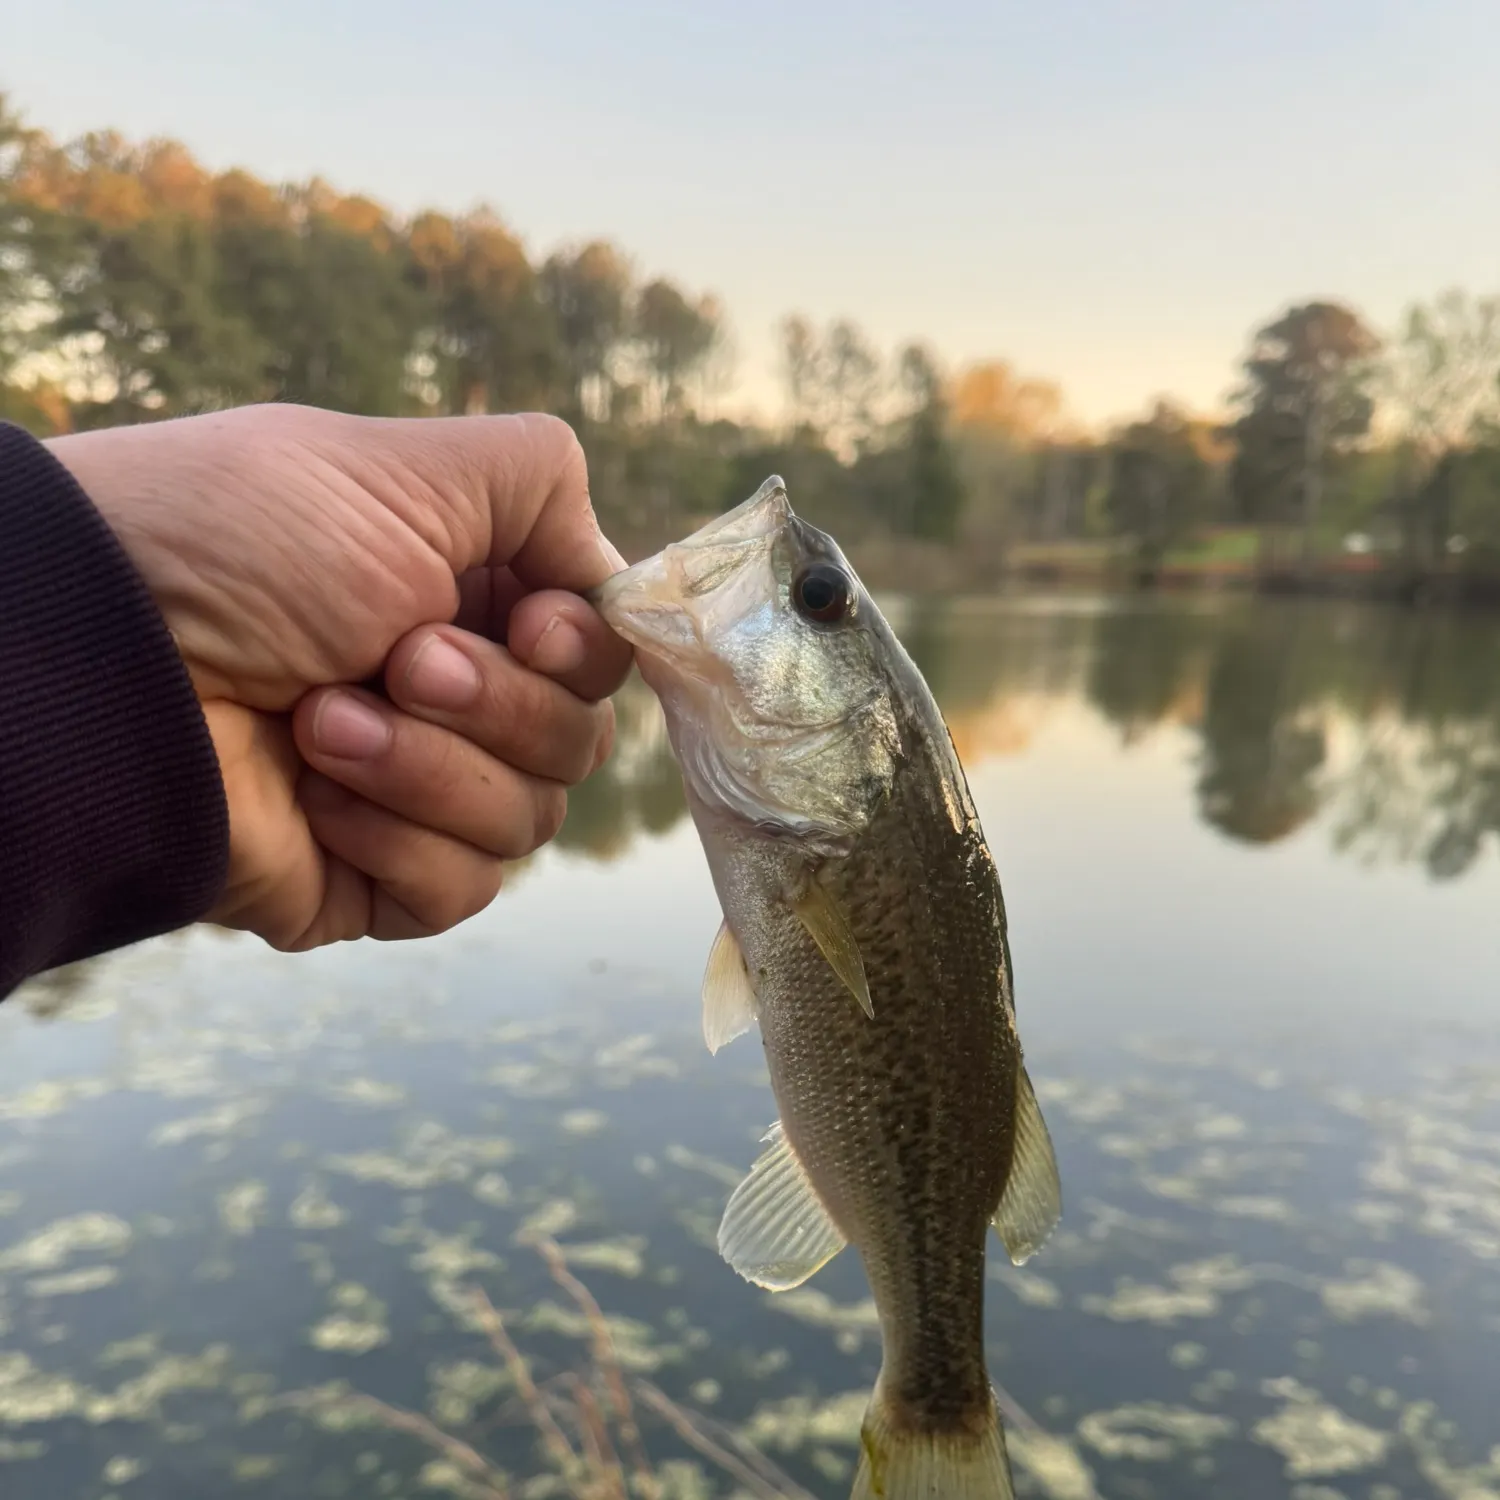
{"points": [[601, 593], [755, 519], [626, 616], [764, 513]]}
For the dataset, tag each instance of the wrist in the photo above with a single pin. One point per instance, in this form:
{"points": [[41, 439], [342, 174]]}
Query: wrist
{"points": [[134, 477]]}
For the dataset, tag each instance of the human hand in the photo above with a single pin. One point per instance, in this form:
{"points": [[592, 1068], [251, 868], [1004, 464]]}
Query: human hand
{"points": [[295, 553]]}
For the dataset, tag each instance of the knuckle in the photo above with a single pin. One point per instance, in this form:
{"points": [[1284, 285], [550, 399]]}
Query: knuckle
{"points": [[604, 741], [557, 436], [448, 767], [510, 705], [551, 808], [511, 832], [458, 899], [545, 732], [531, 706], [485, 886]]}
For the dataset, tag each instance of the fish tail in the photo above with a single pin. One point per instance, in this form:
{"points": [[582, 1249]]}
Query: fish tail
{"points": [[901, 1462]]}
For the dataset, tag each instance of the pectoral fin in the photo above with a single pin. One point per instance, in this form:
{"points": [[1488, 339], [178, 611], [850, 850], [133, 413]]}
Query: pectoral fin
{"points": [[728, 996], [1032, 1202], [775, 1231], [830, 931]]}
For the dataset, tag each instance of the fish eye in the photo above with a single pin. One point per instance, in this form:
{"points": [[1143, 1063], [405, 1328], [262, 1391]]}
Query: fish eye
{"points": [[821, 592]]}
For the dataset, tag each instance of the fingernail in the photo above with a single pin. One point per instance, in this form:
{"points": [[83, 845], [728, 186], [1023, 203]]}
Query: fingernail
{"points": [[349, 729], [560, 648], [441, 676]]}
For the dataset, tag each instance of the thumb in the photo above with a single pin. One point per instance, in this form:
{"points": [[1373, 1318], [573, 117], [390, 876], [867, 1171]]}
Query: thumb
{"points": [[515, 493]]}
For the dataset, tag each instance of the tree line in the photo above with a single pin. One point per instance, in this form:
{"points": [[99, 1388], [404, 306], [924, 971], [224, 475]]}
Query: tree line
{"points": [[137, 284]]}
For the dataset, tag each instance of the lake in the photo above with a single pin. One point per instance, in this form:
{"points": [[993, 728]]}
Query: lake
{"points": [[283, 1227]]}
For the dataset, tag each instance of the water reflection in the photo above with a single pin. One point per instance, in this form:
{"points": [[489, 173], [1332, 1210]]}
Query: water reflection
{"points": [[637, 791], [1264, 730], [1384, 724]]}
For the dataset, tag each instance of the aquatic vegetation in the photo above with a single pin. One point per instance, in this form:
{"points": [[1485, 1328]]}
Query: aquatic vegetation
{"points": [[1272, 1210], [356, 1326], [1030, 1288], [493, 1189], [122, 1470], [312, 1209], [851, 1325], [60, 1241], [1133, 1302], [461, 1388], [141, 1349], [556, 1216], [1053, 1464], [13, 1452], [1316, 1438], [1377, 1289], [1152, 1432], [381, 1166], [29, 1395], [242, 1208], [635, 1343], [793, 1423], [70, 1283], [430, 1156], [451, 1257], [528, 1080], [622, 1256], [630, 1061], [370, 1093], [1452, 1481], [42, 1100], [693, 1161], [224, 1120]]}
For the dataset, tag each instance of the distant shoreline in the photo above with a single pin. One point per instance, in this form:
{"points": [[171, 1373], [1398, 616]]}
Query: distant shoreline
{"points": [[1368, 579]]}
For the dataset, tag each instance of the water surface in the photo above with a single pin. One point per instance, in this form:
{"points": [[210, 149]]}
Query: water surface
{"points": [[1249, 858]]}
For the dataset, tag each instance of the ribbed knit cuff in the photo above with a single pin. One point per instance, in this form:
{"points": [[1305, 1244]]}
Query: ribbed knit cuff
{"points": [[113, 824]]}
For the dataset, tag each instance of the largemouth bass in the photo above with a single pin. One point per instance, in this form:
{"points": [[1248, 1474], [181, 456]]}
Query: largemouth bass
{"points": [[864, 930]]}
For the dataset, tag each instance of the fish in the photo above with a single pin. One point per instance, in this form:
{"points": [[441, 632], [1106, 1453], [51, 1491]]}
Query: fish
{"points": [[864, 932]]}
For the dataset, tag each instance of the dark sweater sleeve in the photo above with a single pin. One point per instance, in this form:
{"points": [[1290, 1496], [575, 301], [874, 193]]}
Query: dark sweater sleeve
{"points": [[113, 825]]}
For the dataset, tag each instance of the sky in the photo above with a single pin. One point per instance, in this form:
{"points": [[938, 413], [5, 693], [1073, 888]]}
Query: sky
{"points": [[1111, 195]]}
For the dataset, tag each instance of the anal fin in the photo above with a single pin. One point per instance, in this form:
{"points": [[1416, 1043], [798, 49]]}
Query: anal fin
{"points": [[775, 1231], [728, 995], [1032, 1202]]}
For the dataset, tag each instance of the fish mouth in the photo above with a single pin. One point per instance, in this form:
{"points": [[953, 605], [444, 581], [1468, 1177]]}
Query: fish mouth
{"points": [[643, 602], [761, 516]]}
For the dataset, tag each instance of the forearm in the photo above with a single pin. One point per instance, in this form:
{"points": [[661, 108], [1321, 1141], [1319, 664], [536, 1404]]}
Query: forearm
{"points": [[113, 826]]}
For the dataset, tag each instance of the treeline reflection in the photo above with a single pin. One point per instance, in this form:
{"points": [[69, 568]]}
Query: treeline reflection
{"points": [[1384, 724]]}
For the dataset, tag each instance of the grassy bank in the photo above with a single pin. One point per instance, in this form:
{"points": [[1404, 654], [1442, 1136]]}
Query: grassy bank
{"points": [[1234, 558]]}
